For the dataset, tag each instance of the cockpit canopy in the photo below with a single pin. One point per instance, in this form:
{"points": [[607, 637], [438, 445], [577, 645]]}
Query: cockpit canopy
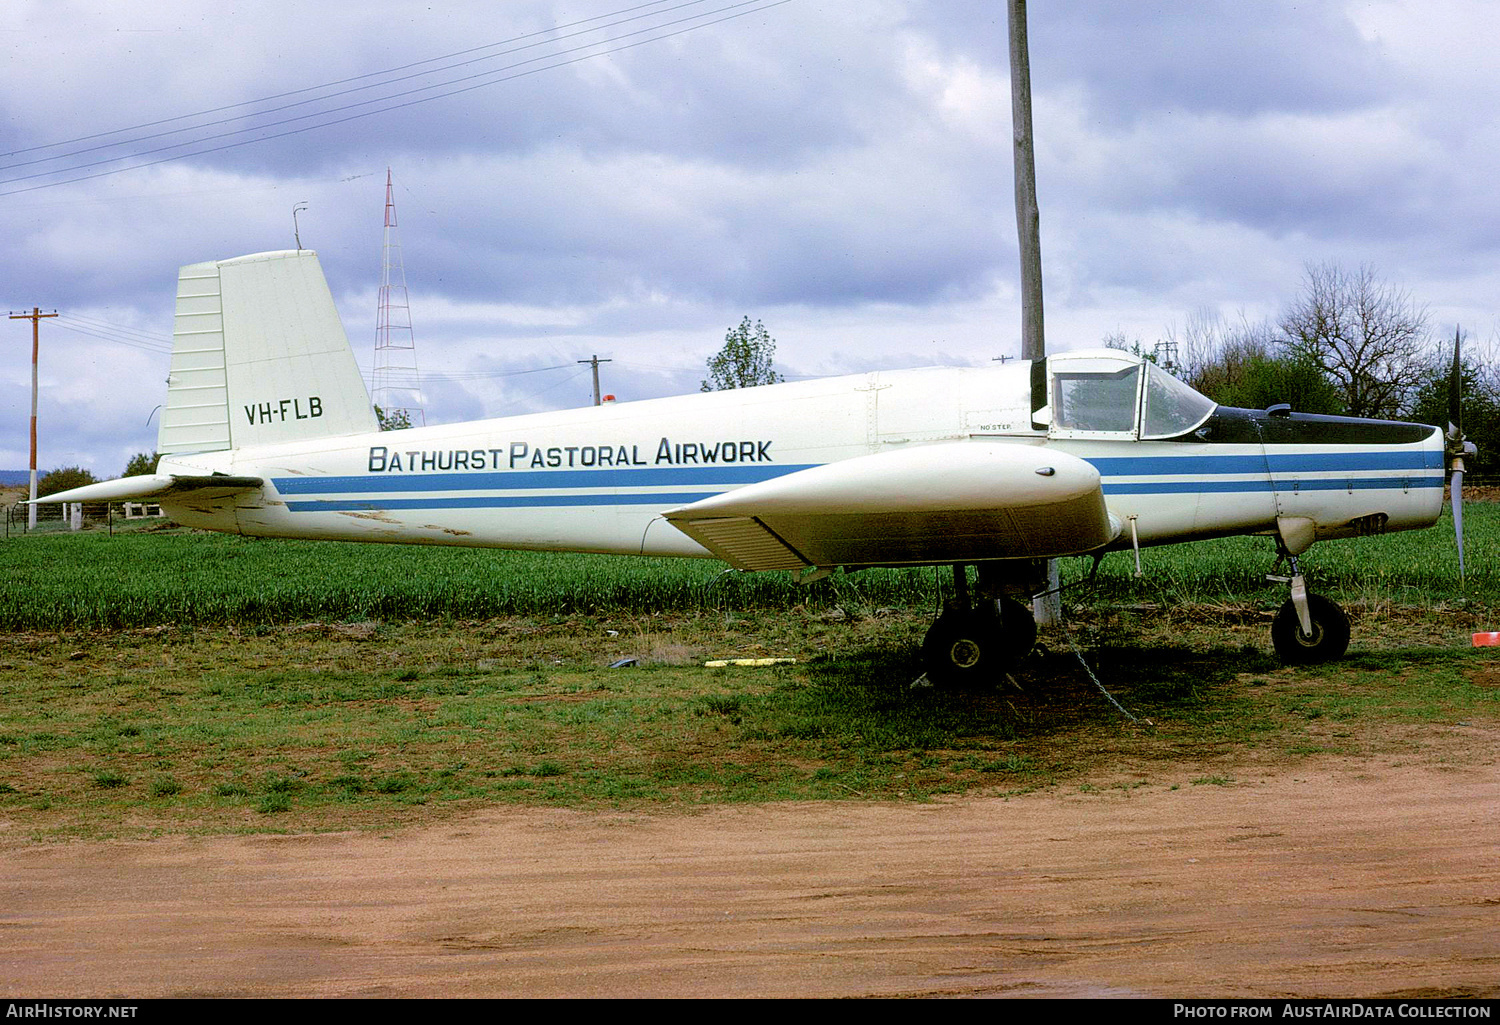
{"points": [[1109, 393]]}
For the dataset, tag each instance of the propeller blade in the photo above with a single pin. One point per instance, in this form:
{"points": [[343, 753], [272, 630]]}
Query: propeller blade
{"points": [[1455, 387], [1457, 495]]}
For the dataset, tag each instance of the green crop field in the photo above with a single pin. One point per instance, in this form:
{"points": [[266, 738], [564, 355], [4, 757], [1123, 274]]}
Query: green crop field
{"points": [[143, 578], [184, 681]]}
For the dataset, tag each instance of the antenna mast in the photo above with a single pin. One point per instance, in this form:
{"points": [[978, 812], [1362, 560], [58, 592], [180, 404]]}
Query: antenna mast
{"points": [[395, 386]]}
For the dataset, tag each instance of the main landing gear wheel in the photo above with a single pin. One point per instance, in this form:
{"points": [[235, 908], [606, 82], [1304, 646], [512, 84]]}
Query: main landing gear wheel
{"points": [[1328, 641], [972, 647]]}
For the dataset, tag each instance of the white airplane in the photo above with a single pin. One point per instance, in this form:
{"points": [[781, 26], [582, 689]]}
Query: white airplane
{"points": [[268, 431]]}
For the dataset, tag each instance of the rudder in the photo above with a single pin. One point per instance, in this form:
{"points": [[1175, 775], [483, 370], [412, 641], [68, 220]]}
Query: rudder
{"points": [[259, 356]]}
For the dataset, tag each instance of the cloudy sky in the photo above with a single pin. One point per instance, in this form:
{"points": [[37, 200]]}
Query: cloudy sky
{"points": [[629, 179]]}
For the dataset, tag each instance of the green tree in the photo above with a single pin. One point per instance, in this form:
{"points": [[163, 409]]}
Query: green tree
{"points": [[395, 420], [141, 463], [745, 361], [64, 478], [1479, 398], [1254, 373], [1289, 378], [1246, 364]]}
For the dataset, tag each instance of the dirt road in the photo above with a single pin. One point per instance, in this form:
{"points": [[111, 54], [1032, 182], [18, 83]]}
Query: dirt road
{"points": [[1345, 879]]}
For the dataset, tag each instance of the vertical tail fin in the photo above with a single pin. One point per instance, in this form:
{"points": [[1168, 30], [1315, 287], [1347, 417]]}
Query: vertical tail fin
{"points": [[259, 356]]}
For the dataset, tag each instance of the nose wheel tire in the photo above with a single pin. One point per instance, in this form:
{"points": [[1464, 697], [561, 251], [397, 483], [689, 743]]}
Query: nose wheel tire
{"points": [[972, 647], [1329, 638]]}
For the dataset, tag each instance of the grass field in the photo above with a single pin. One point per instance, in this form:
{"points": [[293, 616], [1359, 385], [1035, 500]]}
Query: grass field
{"points": [[195, 682], [144, 578]]}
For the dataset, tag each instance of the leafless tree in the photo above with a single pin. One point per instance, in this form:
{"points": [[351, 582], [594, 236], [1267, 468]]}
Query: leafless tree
{"points": [[1369, 336], [1214, 354], [1486, 358]]}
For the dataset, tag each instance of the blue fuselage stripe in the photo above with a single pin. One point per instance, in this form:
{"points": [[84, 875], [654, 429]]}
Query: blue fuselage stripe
{"points": [[1282, 484], [517, 480], [555, 488], [658, 499], [1301, 462]]}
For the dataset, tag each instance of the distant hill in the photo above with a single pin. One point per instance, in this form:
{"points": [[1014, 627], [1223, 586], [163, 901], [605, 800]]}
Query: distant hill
{"points": [[14, 478]]}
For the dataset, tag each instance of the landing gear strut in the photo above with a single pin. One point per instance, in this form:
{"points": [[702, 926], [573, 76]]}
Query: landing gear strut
{"points": [[973, 642], [1309, 628]]}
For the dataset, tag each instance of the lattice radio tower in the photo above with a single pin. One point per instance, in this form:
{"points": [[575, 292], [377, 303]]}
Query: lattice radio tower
{"points": [[395, 385]]}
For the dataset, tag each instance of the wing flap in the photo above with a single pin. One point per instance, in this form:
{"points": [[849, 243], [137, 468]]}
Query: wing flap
{"points": [[954, 502], [745, 543]]}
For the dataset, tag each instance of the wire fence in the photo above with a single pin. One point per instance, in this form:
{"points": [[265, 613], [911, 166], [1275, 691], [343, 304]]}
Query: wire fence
{"points": [[52, 519]]}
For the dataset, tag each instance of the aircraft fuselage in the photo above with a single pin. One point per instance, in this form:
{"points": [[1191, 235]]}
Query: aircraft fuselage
{"points": [[597, 479]]}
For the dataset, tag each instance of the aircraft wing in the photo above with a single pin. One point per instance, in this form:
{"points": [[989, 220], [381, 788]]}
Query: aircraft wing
{"points": [[952, 502], [156, 486]]}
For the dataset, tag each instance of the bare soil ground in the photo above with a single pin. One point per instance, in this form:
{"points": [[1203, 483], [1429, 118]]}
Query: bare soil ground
{"points": [[1339, 878]]}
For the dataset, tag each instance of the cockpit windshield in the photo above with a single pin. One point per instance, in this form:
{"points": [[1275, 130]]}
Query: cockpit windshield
{"points": [[1104, 392], [1172, 408]]}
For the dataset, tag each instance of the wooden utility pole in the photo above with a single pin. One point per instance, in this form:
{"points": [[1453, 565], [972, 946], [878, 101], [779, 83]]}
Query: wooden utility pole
{"points": [[1048, 608], [1028, 217], [596, 361], [36, 316]]}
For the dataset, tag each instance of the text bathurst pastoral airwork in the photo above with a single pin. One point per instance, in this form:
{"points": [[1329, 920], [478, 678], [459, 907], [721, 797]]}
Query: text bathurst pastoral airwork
{"points": [[521, 455]]}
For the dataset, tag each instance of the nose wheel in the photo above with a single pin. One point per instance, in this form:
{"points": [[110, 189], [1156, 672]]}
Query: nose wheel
{"points": [[1327, 640], [1309, 628]]}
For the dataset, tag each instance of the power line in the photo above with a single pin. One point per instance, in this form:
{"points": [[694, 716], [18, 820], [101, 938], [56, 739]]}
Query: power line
{"points": [[479, 375], [329, 85], [146, 336], [658, 366], [550, 388], [496, 76], [110, 333]]}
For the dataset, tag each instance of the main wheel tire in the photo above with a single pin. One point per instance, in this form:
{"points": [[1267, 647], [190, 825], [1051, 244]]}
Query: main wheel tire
{"points": [[959, 649], [1019, 627], [971, 648], [1330, 633]]}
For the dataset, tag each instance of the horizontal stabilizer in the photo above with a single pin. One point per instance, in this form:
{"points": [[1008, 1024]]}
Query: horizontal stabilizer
{"points": [[155, 486], [956, 502]]}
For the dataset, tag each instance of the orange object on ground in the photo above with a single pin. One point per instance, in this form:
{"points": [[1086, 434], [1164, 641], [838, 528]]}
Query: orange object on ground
{"points": [[1487, 639]]}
